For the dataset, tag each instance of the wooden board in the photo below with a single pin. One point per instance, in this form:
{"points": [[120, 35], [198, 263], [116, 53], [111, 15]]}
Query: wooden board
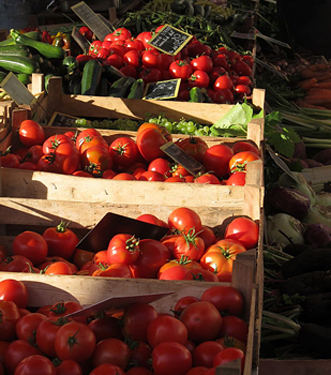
{"points": [[294, 367], [317, 176]]}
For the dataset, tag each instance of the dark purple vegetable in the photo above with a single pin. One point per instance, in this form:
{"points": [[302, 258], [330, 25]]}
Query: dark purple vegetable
{"points": [[316, 308], [317, 235], [313, 163], [295, 249], [280, 199], [323, 156]]}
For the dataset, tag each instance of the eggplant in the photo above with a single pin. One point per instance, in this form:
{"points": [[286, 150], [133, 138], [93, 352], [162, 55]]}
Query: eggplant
{"points": [[317, 235]]}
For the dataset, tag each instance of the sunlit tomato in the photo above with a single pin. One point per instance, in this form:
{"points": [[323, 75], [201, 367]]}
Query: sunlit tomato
{"points": [[217, 158], [120, 33], [152, 219], [124, 176], [237, 179], [244, 146], [223, 82], [223, 96], [106, 327], [216, 72], [199, 78], [229, 355], [201, 275], [99, 258], [242, 90], [31, 133], [32, 245], [96, 158], [189, 245], [151, 59], [203, 62], [239, 160], [15, 291], [244, 80], [134, 44], [123, 248], [179, 170], [80, 173], [86, 135], [118, 49], [114, 59], [180, 69], [151, 176], [149, 142], [132, 57], [59, 268], [207, 178], [144, 37], [94, 48], [160, 165], [244, 230], [123, 151], [35, 364], [184, 219], [194, 146], [204, 353]]}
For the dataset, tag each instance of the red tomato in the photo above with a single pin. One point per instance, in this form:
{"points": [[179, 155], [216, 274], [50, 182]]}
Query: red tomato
{"points": [[89, 137], [217, 159], [16, 263], [151, 59], [203, 62], [132, 57], [235, 327], [177, 272], [28, 165], [166, 328], [229, 355], [96, 158], [220, 60], [16, 352], [199, 78], [9, 312], [27, 325], [244, 146], [182, 303], [123, 151], [32, 245], [150, 74], [15, 291], [248, 59], [153, 255], [223, 82], [204, 353], [107, 368], [149, 142], [129, 71], [171, 358], [68, 367], [61, 308], [35, 364], [208, 236], [75, 341], [166, 61], [114, 59], [180, 171], [80, 257], [151, 176], [120, 33], [99, 258], [151, 219], [136, 319], [207, 178], [9, 160], [144, 37], [135, 44], [239, 161], [106, 327], [223, 96], [139, 371], [31, 133], [202, 320], [35, 153], [241, 68], [226, 298], [244, 230], [113, 351], [189, 245], [59, 268], [196, 48], [159, 128], [123, 248], [201, 275], [184, 219], [124, 176], [180, 69], [160, 165], [194, 146], [197, 370], [216, 72], [242, 90], [114, 270], [237, 179]]}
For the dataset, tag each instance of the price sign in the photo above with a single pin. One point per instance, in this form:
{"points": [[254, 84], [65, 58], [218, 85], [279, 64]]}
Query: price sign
{"points": [[183, 158], [16, 90], [162, 89], [80, 39], [91, 19], [170, 40], [61, 119]]}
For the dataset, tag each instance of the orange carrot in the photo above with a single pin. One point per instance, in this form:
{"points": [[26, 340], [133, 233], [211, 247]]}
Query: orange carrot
{"points": [[303, 104], [326, 93], [308, 73], [322, 67], [326, 84], [307, 83]]}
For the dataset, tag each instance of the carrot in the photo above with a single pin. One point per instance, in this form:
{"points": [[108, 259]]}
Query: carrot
{"points": [[308, 73], [314, 91], [307, 83], [319, 67], [326, 84], [302, 103]]}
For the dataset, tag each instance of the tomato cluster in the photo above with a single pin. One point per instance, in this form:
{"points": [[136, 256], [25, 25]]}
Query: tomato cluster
{"points": [[223, 73], [194, 337], [88, 154]]}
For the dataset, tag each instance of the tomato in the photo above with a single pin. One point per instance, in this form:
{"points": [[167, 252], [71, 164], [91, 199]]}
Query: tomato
{"points": [[204, 353], [226, 298], [202, 62], [229, 355], [180, 69], [96, 158], [87, 32], [183, 261], [135, 44], [9, 160], [114, 270], [237, 179], [27, 325], [80, 257], [231, 342], [184, 219], [61, 308], [150, 74], [68, 367], [120, 33], [151, 219], [3, 348], [144, 37], [129, 71], [9, 312], [87, 135], [244, 146], [31, 133], [197, 370], [244, 230], [235, 327], [248, 59], [75, 341], [241, 68], [99, 258], [59, 268], [175, 179], [196, 48], [136, 319], [124, 176], [242, 90], [132, 58], [106, 327], [223, 82], [107, 368], [28, 165], [207, 178], [239, 160], [190, 245], [199, 78], [223, 96], [80, 173], [32, 245], [123, 151], [160, 165], [83, 144], [217, 159], [202, 320], [7, 330], [35, 364], [151, 176], [166, 61], [16, 352], [16, 263], [114, 59], [153, 255], [15, 291], [139, 371], [113, 351], [182, 303], [151, 59], [54, 141], [201, 275], [149, 142], [46, 333], [220, 60], [194, 146], [208, 236]]}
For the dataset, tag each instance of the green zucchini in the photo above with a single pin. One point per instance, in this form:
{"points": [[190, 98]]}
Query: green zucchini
{"points": [[15, 51], [18, 64], [24, 78], [35, 35], [45, 49], [103, 87], [137, 89], [121, 87], [91, 77], [111, 73], [74, 84], [2, 76], [196, 95]]}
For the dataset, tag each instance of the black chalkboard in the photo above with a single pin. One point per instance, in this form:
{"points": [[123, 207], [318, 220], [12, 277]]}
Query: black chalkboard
{"points": [[162, 89], [183, 158], [61, 119], [170, 40]]}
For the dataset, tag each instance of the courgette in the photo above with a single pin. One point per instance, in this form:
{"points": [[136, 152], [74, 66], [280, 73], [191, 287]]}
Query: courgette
{"points": [[2, 76], [91, 77], [103, 87], [111, 73], [45, 49], [137, 89], [15, 51], [24, 78], [121, 87], [18, 64], [196, 95], [35, 35]]}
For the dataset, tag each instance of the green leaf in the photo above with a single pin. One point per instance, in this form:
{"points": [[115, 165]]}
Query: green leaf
{"points": [[238, 114]]}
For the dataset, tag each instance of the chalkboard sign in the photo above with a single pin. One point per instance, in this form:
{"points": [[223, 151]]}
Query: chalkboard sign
{"points": [[80, 40], [183, 158], [91, 19], [162, 89], [170, 40], [16, 90], [61, 119]]}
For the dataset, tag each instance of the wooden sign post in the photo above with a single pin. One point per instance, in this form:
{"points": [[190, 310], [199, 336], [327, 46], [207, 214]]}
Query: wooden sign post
{"points": [[17, 91]]}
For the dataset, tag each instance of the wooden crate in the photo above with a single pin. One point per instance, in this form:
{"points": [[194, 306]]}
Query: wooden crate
{"points": [[294, 366], [317, 177]]}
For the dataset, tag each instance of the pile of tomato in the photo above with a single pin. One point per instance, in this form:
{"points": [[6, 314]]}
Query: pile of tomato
{"points": [[193, 338], [88, 154], [223, 73]]}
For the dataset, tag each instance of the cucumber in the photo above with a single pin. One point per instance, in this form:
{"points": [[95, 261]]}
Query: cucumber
{"points": [[137, 89], [15, 51], [91, 77], [103, 87], [195, 95], [121, 87], [45, 49], [111, 73], [35, 35], [24, 78], [18, 64]]}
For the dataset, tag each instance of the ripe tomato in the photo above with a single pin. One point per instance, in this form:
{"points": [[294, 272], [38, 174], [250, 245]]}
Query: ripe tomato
{"points": [[124, 151], [241, 68], [201, 275], [226, 298], [106, 327], [107, 368], [132, 58], [16, 263], [96, 158], [15, 291], [203, 62], [80, 257], [9, 312], [124, 176], [180, 69], [231, 342], [114, 270], [139, 371], [120, 33], [35, 364], [244, 230], [204, 353], [144, 37], [203, 321], [61, 308], [32, 245], [208, 236], [135, 44], [207, 178], [229, 355], [68, 367], [54, 141], [140, 355], [223, 96], [149, 142], [75, 341], [113, 351], [161, 165], [136, 319], [244, 146], [217, 159], [196, 48], [194, 146], [16, 352], [60, 268], [152, 219], [151, 176], [151, 58], [171, 358], [31, 133], [236, 179], [99, 258], [197, 370], [182, 303], [114, 59], [189, 245], [199, 78], [123, 248], [220, 60], [150, 74], [61, 241], [27, 325], [235, 327], [166, 328], [179, 170], [239, 161], [177, 272], [242, 90], [159, 128], [9, 160], [183, 219], [223, 82]]}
